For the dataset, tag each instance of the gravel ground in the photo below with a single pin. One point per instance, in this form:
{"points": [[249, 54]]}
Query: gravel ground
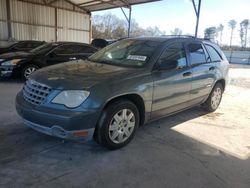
{"points": [[189, 149]]}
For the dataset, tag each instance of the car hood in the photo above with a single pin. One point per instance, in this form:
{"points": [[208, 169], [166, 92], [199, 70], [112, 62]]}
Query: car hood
{"points": [[82, 74], [15, 55]]}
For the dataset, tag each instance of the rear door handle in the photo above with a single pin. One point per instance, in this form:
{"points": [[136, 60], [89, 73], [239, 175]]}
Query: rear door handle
{"points": [[212, 68], [72, 58], [187, 74]]}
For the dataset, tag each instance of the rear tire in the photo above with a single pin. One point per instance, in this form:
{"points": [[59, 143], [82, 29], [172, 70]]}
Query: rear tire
{"points": [[28, 70], [214, 99], [117, 125]]}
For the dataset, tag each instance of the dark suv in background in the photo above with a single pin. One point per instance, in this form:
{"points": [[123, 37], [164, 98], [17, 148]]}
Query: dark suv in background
{"points": [[124, 85], [25, 63], [25, 46]]}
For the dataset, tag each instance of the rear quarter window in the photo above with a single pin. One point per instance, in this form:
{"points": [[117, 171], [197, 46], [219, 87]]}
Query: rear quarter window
{"points": [[213, 53]]}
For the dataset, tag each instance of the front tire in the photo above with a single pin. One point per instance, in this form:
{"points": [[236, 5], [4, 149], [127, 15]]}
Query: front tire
{"points": [[28, 70], [214, 99], [117, 125]]}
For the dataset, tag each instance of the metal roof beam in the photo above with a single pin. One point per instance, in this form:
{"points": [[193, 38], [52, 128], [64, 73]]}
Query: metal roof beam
{"points": [[50, 2], [98, 5], [86, 2], [70, 2], [126, 3]]}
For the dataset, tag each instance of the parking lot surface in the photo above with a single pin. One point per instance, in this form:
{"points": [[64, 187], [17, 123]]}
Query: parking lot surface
{"points": [[189, 149]]}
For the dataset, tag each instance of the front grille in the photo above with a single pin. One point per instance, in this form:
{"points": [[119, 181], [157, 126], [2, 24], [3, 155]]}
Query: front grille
{"points": [[34, 92]]}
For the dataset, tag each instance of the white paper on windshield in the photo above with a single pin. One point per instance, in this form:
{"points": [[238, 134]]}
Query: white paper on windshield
{"points": [[137, 57]]}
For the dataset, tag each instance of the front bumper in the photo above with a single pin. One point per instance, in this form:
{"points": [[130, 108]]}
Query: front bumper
{"points": [[67, 124], [6, 71], [85, 134]]}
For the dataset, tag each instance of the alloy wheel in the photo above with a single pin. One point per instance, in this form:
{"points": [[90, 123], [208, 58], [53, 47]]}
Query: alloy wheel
{"points": [[28, 71], [121, 126], [216, 98]]}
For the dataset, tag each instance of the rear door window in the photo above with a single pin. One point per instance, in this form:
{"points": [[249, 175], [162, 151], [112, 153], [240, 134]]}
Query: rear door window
{"points": [[35, 44], [85, 49], [214, 55], [197, 53], [27, 45], [65, 49], [22, 45]]}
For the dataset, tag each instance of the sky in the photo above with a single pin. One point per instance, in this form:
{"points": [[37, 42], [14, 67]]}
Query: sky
{"points": [[170, 14]]}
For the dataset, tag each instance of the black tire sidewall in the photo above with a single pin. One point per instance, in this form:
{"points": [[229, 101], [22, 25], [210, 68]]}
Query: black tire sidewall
{"points": [[107, 116], [208, 103]]}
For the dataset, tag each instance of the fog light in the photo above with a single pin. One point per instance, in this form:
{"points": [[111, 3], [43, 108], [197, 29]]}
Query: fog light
{"points": [[57, 131]]}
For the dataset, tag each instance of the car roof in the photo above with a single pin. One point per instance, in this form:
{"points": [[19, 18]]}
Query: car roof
{"points": [[165, 38], [66, 42], [29, 41]]}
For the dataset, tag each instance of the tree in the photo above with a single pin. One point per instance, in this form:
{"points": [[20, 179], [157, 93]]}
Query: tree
{"points": [[108, 26], [153, 31], [231, 25], [136, 30], [220, 30], [244, 26], [210, 33], [176, 31], [242, 38]]}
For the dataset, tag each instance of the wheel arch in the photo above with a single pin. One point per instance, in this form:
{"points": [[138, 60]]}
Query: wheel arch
{"points": [[133, 97], [222, 82]]}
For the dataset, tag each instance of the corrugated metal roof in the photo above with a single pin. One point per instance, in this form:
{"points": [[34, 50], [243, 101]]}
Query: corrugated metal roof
{"points": [[95, 5]]}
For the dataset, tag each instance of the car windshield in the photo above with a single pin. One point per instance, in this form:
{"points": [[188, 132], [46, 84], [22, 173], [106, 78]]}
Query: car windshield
{"points": [[130, 52], [44, 48]]}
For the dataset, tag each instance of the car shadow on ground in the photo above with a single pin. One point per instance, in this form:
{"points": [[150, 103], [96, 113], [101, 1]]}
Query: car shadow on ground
{"points": [[12, 80], [157, 156], [26, 141]]}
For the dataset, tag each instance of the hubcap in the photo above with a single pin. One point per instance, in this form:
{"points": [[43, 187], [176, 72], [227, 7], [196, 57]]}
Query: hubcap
{"points": [[29, 71], [121, 126], [216, 97]]}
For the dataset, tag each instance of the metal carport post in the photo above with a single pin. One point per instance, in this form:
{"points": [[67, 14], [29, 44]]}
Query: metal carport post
{"points": [[197, 9], [128, 18]]}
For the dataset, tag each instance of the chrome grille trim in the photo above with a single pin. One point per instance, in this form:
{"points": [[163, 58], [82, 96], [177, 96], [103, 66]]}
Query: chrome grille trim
{"points": [[34, 92]]}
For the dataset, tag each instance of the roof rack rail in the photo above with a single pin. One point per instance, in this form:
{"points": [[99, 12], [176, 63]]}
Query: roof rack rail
{"points": [[206, 39], [185, 36]]}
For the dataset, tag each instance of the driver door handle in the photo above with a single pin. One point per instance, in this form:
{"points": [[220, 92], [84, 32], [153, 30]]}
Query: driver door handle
{"points": [[212, 68], [187, 74], [72, 58]]}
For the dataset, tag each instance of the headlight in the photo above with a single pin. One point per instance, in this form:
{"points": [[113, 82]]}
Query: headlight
{"points": [[12, 62], [71, 98]]}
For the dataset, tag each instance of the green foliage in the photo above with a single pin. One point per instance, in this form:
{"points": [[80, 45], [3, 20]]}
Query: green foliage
{"points": [[244, 26], [176, 31], [210, 33]]}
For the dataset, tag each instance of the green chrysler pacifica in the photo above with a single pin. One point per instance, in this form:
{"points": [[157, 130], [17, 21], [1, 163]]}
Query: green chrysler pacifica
{"points": [[123, 86]]}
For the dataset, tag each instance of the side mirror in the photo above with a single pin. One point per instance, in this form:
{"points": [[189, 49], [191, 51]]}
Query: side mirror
{"points": [[168, 65]]}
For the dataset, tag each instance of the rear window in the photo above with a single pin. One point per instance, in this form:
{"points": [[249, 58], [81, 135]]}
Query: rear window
{"points": [[214, 55]]}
